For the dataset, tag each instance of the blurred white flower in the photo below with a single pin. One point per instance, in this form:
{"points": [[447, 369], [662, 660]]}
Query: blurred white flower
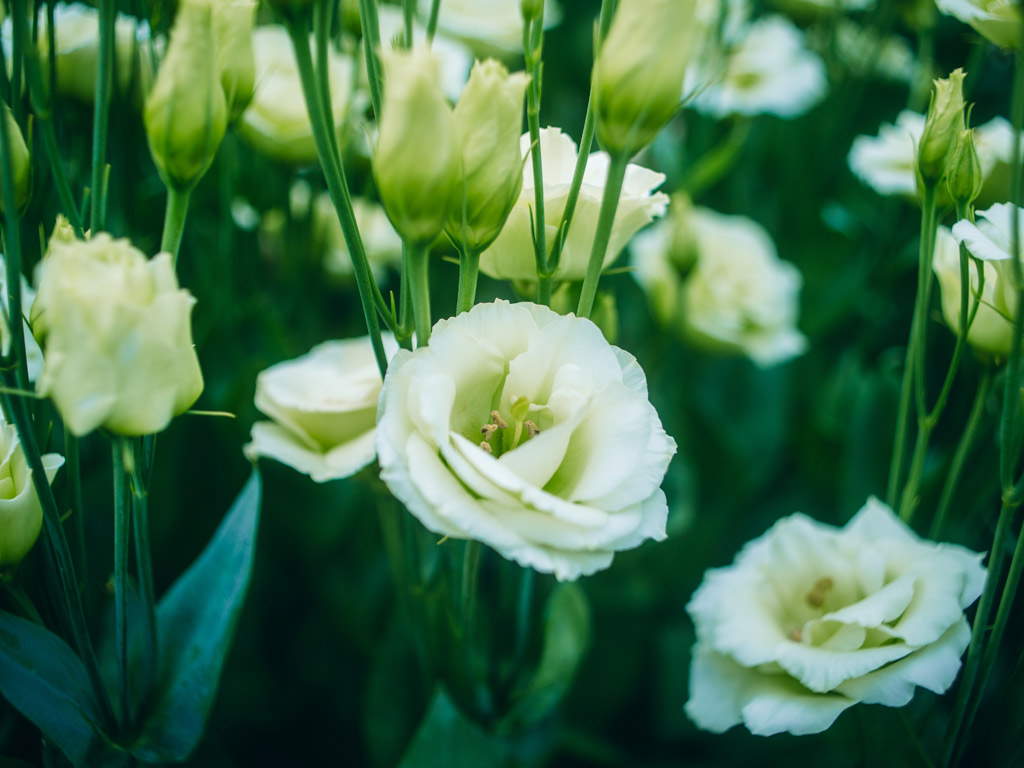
{"points": [[991, 330], [511, 256], [490, 27], [456, 59], [382, 244], [811, 619], [276, 122], [768, 71], [990, 239], [738, 296], [527, 431], [996, 20], [867, 54], [21, 514], [323, 407], [34, 355]]}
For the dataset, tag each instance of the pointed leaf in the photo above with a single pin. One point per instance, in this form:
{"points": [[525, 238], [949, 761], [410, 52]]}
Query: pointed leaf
{"points": [[195, 624], [446, 739]]}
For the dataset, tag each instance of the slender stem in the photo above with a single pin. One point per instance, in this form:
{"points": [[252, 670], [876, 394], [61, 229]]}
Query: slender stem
{"points": [[606, 218], [144, 563], [908, 501], [922, 301], [408, 14], [12, 265], [67, 199], [101, 115], [715, 163], [963, 450], [73, 468], [469, 271], [323, 13], [371, 42], [435, 8], [335, 175], [19, 12], [470, 576], [174, 220], [121, 530], [419, 287], [533, 40], [523, 613]]}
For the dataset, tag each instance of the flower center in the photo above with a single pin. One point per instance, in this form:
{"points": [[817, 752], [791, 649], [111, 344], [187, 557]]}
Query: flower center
{"points": [[815, 598], [500, 436]]}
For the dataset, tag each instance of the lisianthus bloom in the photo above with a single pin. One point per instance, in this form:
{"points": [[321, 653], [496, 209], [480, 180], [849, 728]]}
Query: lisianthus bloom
{"points": [[526, 430], [454, 57], [990, 239], [768, 71], [811, 619], [736, 297], [117, 337], [21, 514], [323, 407], [998, 21], [511, 256]]}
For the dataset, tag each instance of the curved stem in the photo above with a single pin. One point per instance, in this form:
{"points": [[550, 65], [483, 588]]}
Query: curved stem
{"points": [[174, 220], [101, 115], [469, 271], [371, 42], [533, 40], [323, 13], [606, 218], [908, 501]]}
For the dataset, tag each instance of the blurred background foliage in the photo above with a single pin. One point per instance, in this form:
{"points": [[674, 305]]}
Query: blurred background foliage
{"points": [[324, 670]]}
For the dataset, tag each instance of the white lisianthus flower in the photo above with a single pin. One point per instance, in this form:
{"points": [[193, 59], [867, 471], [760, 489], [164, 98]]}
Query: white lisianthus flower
{"points": [[33, 354], [738, 297], [527, 431], [991, 329], [21, 514], [998, 21], [454, 58], [490, 27], [511, 256], [323, 407], [769, 71], [276, 122], [811, 619], [990, 240]]}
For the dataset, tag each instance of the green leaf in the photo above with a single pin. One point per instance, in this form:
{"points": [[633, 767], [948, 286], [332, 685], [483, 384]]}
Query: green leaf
{"points": [[195, 624], [45, 681], [566, 639], [446, 739]]}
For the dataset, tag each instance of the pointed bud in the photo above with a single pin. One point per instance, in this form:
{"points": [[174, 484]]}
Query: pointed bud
{"points": [[21, 515], [232, 33], [638, 75], [186, 113], [488, 121], [416, 165], [531, 9], [21, 168], [944, 123], [964, 176], [682, 237]]}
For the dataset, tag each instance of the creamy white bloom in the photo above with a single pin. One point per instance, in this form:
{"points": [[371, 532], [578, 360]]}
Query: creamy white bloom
{"points": [[769, 71], [811, 619], [276, 121], [866, 53], [990, 239], [738, 297], [805, 8], [33, 353], [511, 257], [21, 514], [323, 409], [382, 244], [455, 59], [527, 431], [996, 20], [992, 328], [490, 27]]}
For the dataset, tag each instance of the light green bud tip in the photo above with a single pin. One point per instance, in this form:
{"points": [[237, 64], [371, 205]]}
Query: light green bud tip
{"points": [[21, 168], [964, 177], [639, 71], [186, 112], [682, 242], [232, 33], [416, 165], [488, 123], [531, 9], [944, 123]]}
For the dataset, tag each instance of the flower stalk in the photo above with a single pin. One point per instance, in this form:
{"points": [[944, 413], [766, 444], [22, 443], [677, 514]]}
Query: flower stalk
{"points": [[606, 218], [122, 524], [101, 115]]}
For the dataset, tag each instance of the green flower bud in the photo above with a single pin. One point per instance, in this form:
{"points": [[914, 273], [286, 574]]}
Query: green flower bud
{"points": [[638, 75], [416, 165], [186, 113], [682, 237], [21, 167], [21, 515], [964, 177], [488, 121], [232, 33], [944, 123], [531, 9]]}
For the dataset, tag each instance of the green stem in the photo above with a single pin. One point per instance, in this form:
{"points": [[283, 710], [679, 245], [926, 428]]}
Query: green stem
{"points": [[435, 8], [929, 224], [419, 288], [408, 14], [144, 563], [533, 40], [470, 577], [719, 160], [963, 449], [19, 12], [469, 271], [371, 42], [908, 501], [73, 464], [369, 295], [119, 446], [101, 115], [323, 12], [174, 220], [67, 199], [606, 218]]}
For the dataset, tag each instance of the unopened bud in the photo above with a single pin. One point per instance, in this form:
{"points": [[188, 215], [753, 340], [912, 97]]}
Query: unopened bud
{"points": [[21, 515], [531, 9], [186, 113], [682, 238], [638, 75], [232, 33], [964, 176], [944, 123], [21, 168], [416, 165]]}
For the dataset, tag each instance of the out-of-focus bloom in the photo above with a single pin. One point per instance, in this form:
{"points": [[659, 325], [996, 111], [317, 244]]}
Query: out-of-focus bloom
{"points": [[488, 119], [276, 122], [639, 71], [942, 124], [115, 329], [232, 32], [768, 71], [490, 27], [525, 430], [323, 407], [21, 514], [864, 53], [33, 354], [455, 58], [998, 21], [416, 164], [511, 256], [803, 9], [382, 244], [990, 239], [186, 113], [76, 50], [738, 298], [991, 330], [21, 164], [811, 619]]}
